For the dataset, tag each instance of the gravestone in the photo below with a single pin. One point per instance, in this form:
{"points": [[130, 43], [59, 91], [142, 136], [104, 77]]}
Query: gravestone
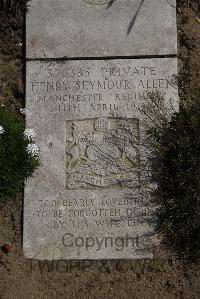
{"points": [[84, 28], [91, 197]]}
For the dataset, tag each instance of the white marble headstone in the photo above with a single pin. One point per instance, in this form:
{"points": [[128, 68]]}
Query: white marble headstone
{"points": [[90, 198]]}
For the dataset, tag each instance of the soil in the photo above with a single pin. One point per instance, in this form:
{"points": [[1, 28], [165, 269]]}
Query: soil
{"points": [[165, 276]]}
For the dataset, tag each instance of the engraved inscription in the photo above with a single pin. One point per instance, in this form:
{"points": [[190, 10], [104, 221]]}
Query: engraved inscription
{"points": [[102, 152], [98, 89]]}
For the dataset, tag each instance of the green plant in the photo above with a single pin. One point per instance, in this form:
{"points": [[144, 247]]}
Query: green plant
{"points": [[177, 145], [17, 161]]}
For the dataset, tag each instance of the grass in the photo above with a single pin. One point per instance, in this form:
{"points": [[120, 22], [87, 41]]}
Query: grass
{"points": [[16, 164]]}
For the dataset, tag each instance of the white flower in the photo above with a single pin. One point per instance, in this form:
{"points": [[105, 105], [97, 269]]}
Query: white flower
{"points": [[29, 134], [23, 111], [32, 149], [1, 130]]}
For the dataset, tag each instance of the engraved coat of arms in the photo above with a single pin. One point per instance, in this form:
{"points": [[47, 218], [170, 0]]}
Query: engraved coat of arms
{"points": [[102, 152]]}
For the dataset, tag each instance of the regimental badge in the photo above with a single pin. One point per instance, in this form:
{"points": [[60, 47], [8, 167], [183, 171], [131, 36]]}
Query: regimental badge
{"points": [[102, 152]]}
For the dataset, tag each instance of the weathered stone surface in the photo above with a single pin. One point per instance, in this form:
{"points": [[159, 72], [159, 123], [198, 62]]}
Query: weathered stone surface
{"points": [[91, 28], [90, 198]]}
